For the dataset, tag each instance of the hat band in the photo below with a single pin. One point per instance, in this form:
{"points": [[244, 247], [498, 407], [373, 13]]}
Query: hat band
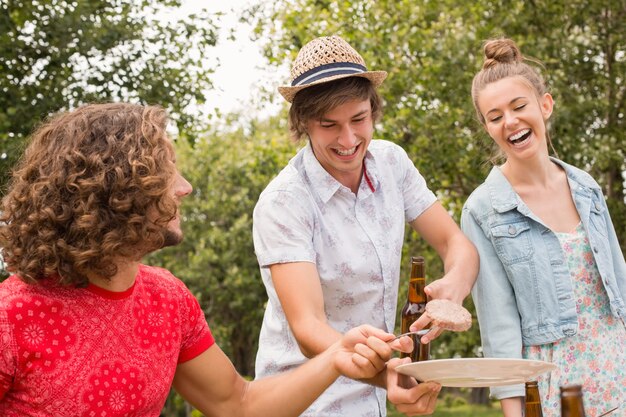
{"points": [[328, 70]]}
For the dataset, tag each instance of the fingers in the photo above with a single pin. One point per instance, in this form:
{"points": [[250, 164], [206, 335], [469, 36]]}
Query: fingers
{"points": [[431, 335], [435, 289], [379, 341], [425, 405], [423, 322], [431, 290], [420, 323], [371, 358], [368, 330], [396, 380], [445, 288], [408, 396], [403, 344]]}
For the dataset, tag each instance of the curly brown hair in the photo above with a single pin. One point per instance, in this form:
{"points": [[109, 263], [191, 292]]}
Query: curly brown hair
{"points": [[78, 199]]}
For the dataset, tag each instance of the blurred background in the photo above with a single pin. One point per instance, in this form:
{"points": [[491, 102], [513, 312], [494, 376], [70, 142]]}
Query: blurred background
{"points": [[216, 65]]}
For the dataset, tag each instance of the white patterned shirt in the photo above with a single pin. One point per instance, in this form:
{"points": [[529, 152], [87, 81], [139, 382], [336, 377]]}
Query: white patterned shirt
{"points": [[355, 241]]}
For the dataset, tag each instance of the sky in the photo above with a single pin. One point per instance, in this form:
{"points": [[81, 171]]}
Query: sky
{"points": [[242, 66]]}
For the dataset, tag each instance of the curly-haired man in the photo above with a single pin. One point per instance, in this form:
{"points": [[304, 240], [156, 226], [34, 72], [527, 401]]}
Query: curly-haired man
{"points": [[85, 328]]}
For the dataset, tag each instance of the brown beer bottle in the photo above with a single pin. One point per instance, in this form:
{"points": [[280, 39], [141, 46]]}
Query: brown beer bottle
{"points": [[414, 308], [532, 406], [572, 401]]}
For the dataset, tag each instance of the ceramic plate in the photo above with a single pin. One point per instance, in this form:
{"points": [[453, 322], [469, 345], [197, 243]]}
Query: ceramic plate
{"points": [[476, 372]]}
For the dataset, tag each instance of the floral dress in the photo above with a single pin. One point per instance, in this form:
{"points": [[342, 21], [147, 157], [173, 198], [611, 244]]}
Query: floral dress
{"points": [[596, 356]]}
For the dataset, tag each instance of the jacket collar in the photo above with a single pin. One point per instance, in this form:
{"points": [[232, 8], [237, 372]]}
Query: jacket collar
{"points": [[576, 175], [504, 197]]}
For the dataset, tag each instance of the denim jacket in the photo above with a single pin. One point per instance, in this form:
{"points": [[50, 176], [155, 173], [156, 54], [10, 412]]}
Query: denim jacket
{"points": [[523, 293]]}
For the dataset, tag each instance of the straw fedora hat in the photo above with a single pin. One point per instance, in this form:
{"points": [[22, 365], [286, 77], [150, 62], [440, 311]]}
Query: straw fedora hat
{"points": [[326, 59]]}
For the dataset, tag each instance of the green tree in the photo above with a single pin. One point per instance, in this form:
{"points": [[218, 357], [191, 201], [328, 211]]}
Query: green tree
{"points": [[228, 171], [433, 49], [58, 54]]}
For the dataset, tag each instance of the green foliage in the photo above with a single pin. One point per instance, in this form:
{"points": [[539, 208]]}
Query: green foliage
{"points": [[228, 171], [432, 50], [56, 55]]}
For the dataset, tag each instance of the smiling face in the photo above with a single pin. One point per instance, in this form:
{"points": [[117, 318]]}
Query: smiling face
{"points": [[515, 117], [340, 139]]}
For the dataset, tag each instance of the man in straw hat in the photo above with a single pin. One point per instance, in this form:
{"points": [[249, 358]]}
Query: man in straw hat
{"points": [[85, 328], [329, 230]]}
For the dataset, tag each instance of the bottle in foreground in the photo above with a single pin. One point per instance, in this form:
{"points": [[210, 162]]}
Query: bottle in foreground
{"points": [[572, 401], [415, 307], [532, 407]]}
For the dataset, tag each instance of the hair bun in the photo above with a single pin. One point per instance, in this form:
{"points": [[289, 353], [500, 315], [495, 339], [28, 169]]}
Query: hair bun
{"points": [[501, 51]]}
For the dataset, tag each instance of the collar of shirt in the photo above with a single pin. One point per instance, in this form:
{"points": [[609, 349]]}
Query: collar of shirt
{"points": [[580, 178], [505, 198], [325, 185]]}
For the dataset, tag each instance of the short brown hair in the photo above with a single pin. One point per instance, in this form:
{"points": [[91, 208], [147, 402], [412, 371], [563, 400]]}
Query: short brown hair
{"points": [[78, 198], [315, 101]]}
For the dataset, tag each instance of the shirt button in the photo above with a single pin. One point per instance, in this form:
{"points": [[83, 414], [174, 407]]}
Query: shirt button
{"points": [[512, 230], [569, 332], [597, 205], [595, 249]]}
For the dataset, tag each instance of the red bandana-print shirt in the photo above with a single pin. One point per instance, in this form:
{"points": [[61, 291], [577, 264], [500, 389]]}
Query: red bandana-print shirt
{"points": [[95, 353]]}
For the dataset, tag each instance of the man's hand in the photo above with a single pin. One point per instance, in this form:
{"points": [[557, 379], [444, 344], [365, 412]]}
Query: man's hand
{"points": [[364, 351], [407, 395], [447, 288]]}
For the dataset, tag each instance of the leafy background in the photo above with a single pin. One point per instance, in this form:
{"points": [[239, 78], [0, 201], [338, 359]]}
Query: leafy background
{"points": [[55, 55]]}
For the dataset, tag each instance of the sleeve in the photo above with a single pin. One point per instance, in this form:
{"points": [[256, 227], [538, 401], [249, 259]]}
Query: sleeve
{"points": [[496, 307], [282, 228], [196, 335], [417, 196], [7, 356]]}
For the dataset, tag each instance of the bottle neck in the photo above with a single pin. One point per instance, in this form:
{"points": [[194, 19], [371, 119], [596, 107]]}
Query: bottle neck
{"points": [[417, 269], [417, 281], [572, 402], [533, 400], [416, 292]]}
